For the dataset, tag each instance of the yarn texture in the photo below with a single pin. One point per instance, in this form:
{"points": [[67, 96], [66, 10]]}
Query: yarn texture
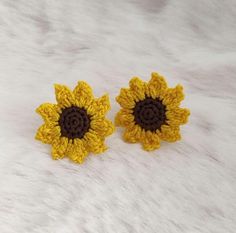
{"points": [[151, 112], [76, 125]]}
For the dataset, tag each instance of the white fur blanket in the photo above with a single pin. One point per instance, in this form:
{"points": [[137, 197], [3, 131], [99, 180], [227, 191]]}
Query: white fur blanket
{"points": [[186, 187]]}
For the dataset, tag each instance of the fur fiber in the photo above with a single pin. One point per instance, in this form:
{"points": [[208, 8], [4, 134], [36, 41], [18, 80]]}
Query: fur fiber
{"points": [[186, 187]]}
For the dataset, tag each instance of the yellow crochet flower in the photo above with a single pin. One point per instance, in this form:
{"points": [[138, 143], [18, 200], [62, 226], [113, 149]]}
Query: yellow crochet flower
{"points": [[76, 125], [150, 112]]}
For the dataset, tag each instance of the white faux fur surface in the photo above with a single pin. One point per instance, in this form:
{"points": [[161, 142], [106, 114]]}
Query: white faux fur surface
{"points": [[185, 187]]}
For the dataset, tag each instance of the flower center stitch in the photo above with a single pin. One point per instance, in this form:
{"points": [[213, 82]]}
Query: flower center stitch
{"points": [[74, 122], [150, 114]]}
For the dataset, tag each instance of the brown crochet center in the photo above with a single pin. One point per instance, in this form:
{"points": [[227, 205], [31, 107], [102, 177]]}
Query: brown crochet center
{"points": [[150, 114], [74, 122]]}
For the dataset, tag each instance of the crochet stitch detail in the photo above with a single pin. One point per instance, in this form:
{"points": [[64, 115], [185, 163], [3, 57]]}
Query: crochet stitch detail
{"points": [[150, 114], [74, 122]]}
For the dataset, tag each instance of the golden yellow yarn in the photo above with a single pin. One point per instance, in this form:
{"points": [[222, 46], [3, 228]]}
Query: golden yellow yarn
{"points": [[93, 140], [155, 88]]}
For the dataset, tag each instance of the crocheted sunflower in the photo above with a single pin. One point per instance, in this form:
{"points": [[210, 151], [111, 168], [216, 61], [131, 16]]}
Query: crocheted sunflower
{"points": [[150, 112], [76, 125]]}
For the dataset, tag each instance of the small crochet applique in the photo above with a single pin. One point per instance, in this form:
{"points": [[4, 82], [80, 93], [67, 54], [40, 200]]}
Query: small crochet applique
{"points": [[150, 112], [76, 125]]}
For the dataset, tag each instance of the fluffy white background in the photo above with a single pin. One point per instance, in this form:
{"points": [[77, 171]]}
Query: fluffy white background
{"points": [[186, 187]]}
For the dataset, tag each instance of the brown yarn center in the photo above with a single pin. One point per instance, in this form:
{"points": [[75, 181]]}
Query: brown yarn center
{"points": [[150, 114], [74, 122]]}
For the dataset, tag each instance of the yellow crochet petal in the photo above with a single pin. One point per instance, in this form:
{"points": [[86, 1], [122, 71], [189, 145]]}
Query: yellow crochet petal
{"points": [[47, 133], [94, 143], [137, 87], [177, 116], [133, 134], [49, 112], [83, 94], [76, 151], [124, 117], [150, 141], [173, 97], [156, 86], [99, 107], [64, 96], [59, 148], [126, 99], [170, 133], [103, 127]]}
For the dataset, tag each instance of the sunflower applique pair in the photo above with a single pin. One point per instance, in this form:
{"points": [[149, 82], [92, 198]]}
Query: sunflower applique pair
{"points": [[77, 124]]}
